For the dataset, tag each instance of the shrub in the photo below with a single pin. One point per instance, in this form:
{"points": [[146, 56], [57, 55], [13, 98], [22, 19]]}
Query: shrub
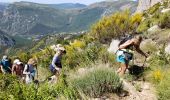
{"points": [[97, 82], [163, 88], [114, 26], [84, 57], [12, 89], [164, 21]]}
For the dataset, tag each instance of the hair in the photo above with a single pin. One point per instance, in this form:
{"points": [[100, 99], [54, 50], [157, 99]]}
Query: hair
{"points": [[32, 61]]}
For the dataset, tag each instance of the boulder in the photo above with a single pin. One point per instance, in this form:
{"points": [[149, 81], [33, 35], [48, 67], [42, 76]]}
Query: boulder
{"points": [[165, 10], [153, 29], [167, 48], [113, 46]]}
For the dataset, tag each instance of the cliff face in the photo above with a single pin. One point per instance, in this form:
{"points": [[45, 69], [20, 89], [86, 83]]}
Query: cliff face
{"points": [[146, 4]]}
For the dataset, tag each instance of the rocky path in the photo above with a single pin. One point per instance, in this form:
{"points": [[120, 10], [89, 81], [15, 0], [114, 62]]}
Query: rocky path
{"points": [[139, 90]]}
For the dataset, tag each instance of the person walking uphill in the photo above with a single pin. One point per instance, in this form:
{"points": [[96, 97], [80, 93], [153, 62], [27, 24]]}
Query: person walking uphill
{"points": [[56, 65], [30, 70], [5, 65], [124, 53], [17, 68]]}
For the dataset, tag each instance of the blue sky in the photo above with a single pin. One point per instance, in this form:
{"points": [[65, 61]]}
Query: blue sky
{"points": [[56, 1]]}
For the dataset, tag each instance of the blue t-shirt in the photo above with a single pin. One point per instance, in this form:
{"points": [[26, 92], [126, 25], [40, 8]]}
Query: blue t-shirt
{"points": [[5, 64]]}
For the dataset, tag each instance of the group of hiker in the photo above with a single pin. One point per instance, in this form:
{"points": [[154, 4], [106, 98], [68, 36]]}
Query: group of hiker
{"points": [[27, 71]]}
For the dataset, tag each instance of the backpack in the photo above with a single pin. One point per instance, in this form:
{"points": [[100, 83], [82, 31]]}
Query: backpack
{"points": [[124, 39]]}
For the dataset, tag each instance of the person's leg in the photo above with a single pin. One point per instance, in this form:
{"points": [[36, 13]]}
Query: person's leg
{"points": [[119, 70], [124, 66]]}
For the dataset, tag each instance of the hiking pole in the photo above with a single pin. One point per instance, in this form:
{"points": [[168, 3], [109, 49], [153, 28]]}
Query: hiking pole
{"points": [[144, 62]]}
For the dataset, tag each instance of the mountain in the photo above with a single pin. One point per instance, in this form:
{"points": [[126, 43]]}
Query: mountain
{"points": [[6, 40], [32, 18], [68, 6], [3, 6], [29, 18]]}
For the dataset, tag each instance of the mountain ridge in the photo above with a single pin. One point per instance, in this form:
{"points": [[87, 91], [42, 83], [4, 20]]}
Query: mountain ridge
{"points": [[25, 17]]}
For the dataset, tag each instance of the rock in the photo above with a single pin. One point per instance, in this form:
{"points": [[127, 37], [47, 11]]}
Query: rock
{"points": [[113, 46], [153, 29], [146, 4], [167, 48], [165, 10]]}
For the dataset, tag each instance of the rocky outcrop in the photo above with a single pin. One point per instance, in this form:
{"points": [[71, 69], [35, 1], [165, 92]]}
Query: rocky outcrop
{"points": [[5, 40], [146, 4]]}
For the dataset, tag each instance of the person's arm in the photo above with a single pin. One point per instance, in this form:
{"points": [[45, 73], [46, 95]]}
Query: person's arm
{"points": [[140, 51], [13, 69], [25, 70], [2, 69], [54, 60], [127, 43]]}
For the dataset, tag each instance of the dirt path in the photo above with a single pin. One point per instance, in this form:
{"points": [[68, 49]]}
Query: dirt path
{"points": [[139, 90]]}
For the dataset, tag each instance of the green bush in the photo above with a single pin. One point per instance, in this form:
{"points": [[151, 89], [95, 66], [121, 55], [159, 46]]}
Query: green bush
{"points": [[115, 26], [84, 57], [163, 88], [12, 89], [97, 82], [164, 21], [144, 26]]}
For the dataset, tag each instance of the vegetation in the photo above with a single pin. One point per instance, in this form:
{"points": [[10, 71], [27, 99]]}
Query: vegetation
{"points": [[87, 71], [12, 89], [114, 26], [97, 81]]}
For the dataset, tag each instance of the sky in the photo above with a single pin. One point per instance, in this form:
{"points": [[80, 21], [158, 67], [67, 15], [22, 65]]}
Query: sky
{"points": [[56, 1]]}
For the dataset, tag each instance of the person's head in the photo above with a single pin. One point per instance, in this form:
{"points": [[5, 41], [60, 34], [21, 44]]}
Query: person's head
{"points": [[32, 62], [5, 57], [17, 62], [138, 39], [59, 49]]}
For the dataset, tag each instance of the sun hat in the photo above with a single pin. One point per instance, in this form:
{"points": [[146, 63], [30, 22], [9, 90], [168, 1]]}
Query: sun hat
{"points": [[18, 63], [5, 57], [15, 61], [59, 47]]}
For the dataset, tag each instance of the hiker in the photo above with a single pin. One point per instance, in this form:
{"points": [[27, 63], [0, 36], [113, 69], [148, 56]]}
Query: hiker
{"points": [[17, 68], [5, 65], [125, 52], [30, 70], [56, 65]]}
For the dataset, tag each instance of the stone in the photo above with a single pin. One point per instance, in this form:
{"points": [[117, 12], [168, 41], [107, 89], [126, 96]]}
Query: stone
{"points": [[146, 4], [153, 29], [167, 48], [113, 46], [165, 10]]}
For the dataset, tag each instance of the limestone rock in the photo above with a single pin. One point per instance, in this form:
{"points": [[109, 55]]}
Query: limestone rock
{"points": [[146, 4], [167, 49], [113, 46]]}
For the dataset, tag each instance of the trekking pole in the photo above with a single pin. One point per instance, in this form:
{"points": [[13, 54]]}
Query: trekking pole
{"points": [[144, 62]]}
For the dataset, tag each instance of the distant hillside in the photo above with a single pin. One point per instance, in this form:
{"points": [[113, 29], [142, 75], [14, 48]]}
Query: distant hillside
{"points": [[32, 18], [3, 6], [6, 40], [68, 6]]}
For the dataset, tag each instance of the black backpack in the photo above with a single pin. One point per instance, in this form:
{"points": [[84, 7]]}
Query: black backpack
{"points": [[124, 39]]}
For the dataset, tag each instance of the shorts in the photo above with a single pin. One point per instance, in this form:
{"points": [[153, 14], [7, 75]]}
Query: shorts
{"points": [[53, 70], [123, 57]]}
